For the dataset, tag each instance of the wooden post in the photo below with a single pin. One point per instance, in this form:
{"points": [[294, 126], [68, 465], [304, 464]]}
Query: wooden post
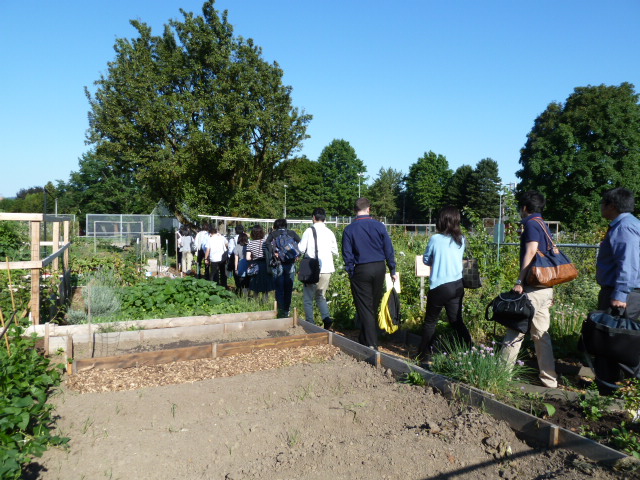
{"points": [[46, 339], [35, 273], [65, 239], [69, 354]]}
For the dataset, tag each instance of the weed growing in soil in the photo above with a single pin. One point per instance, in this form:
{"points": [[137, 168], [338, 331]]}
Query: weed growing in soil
{"points": [[626, 440], [594, 405], [413, 378]]}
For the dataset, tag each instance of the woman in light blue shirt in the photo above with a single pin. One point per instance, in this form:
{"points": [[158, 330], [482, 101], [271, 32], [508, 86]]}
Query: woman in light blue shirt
{"points": [[444, 256]]}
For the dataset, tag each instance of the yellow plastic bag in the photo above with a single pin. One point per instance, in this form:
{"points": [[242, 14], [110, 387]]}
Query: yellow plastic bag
{"points": [[385, 319]]}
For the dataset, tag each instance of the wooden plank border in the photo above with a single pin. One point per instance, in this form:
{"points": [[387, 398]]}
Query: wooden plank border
{"points": [[214, 350]]}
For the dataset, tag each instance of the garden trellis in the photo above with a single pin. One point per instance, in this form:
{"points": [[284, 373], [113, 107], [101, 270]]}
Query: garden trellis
{"points": [[59, 245]]}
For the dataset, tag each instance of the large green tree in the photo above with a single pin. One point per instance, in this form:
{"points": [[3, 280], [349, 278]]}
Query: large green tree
{"points": [[579, 149], [384, 193], [304, 187], [426, 185], [483, 190], [342, 173], [457, 191], [196, 115]]}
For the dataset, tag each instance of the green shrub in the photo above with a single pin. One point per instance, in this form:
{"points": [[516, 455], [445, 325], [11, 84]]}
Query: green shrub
{"points": [[26, 379], [100, 295]]}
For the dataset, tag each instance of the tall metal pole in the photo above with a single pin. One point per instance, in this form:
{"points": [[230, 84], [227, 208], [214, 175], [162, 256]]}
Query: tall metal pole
{"points": [[285, 200], [499, 225]]}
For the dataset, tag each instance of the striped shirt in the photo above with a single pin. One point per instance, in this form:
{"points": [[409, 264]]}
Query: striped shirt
{"points": [[255, 247]]}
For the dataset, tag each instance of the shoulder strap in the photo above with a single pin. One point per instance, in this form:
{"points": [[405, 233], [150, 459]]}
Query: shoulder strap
{"points": [[546, 232], [315, 240]]}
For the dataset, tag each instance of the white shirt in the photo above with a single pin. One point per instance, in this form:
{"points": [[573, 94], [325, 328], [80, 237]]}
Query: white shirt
{"points": [[216, 245], [201, 239], [327, 246]]}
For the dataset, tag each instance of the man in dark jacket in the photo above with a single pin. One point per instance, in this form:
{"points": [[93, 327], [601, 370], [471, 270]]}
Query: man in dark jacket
{"points": [[366, 246]]}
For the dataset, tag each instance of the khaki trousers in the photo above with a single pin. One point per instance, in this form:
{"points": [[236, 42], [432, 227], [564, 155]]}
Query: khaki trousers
{"points": [[541, 298]]}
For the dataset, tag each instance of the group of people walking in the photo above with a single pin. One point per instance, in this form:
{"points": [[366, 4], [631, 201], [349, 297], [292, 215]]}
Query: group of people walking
{"points": [[368, 254], [262, 262], [617, 273]]}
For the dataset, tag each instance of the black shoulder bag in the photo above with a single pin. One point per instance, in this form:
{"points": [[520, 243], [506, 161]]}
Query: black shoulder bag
{"points": [[309, 272]]}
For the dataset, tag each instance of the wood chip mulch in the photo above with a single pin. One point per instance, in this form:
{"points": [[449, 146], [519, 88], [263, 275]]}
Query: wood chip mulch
{"points": [[92, 381]]}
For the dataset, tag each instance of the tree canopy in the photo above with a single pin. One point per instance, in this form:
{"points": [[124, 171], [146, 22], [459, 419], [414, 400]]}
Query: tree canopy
{"points": [[577, 150], [426, 185], [340, 169], [483, 189], [196, 115], [384, 193]]}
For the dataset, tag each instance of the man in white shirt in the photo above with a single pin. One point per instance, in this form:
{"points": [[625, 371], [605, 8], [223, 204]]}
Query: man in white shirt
{"points": [[215, 255], [327, 248]]}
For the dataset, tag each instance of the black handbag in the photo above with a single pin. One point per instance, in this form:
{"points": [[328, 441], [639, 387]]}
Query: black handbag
{"points": [[613, 337], [309, 271], [470, 273], [511, 309]]}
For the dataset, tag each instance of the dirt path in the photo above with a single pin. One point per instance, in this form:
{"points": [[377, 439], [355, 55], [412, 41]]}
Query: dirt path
{"points": [[312, 419]]}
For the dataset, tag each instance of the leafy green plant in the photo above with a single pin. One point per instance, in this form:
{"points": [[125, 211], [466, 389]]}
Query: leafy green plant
{"points": [[26, 380], [480, 366], [166, 297], [626, 440], [630, 394], [594, 405], [413, 378]]}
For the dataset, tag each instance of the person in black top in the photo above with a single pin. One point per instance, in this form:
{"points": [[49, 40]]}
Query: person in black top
{"points": [[283, 281], [366, 246]]}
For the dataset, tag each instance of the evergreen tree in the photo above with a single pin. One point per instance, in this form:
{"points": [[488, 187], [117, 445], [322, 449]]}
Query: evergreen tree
{"points": [[384, 193], [483, 189], [457, 191], [340, 169], [426, 185]]}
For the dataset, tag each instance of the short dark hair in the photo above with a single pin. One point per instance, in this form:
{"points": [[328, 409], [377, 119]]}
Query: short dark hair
{"points": [[319, 214], [257, 232], [239, 229], [362, 204], [280, 223], [622, 199], [533, 200]]}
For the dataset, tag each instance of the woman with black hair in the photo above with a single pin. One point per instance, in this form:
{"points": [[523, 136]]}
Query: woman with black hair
{"points": [[444, 255]]}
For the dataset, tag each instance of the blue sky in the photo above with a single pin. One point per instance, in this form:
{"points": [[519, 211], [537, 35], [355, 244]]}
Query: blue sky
{"points": [[465, 79]]}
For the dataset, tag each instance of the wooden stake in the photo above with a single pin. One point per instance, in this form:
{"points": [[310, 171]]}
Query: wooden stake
{"points": [[6, 338], [13, 302]]}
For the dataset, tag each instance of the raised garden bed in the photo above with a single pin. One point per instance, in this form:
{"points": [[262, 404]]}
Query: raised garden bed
{"points": [[252, 358]]}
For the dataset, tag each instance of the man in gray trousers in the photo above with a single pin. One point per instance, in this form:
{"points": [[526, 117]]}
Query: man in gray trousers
{"points": [[327, 249]]}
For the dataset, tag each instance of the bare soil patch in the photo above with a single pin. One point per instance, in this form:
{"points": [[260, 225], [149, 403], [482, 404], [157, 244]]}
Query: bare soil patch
{"points": [[310, 413]]}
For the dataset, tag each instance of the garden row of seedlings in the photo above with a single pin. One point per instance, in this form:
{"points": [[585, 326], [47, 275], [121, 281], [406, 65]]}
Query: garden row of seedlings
{"points": [[529, 427]]}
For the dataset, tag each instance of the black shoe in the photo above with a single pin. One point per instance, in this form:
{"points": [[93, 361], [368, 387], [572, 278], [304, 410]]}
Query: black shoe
{"points": [[327, 323]]}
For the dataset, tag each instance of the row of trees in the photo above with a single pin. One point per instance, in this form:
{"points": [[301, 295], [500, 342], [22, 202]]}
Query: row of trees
{"points": [[196, 118]]}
